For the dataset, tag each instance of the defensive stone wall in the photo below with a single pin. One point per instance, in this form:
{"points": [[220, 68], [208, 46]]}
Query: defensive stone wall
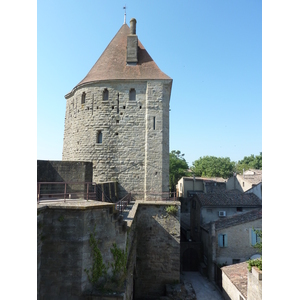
{"points": [[150, 237], [158, 250], [65, 252], [72, 171], [64, 171]]}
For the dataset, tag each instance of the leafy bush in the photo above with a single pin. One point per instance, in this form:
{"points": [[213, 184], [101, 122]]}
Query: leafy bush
{"points": [[172, 210], [255, 263]]}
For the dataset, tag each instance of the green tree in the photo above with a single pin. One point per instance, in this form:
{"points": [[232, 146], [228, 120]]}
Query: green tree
{"points": [[250, 162], [177, 168], [211, 166]]}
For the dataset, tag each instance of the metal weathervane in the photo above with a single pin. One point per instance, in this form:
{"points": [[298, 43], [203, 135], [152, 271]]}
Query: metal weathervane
{"points": [[124, 7]]}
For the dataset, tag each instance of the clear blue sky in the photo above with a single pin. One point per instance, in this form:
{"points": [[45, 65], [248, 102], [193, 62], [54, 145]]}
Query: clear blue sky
{"points": [[211, 49]]}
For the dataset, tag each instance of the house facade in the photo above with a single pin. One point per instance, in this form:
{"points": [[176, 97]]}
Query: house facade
{"points": [[240, 283], [210, 207], [234, 281], [188, 186], [231, 240], [249, 181]]}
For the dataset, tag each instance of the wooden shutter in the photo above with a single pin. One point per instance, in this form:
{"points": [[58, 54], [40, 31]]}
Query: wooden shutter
{"points": [[220, 240], [225, 240], [253, 237]]}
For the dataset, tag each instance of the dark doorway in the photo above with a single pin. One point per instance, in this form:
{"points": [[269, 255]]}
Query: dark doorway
{"points": [[190, 260], [218, 276]]}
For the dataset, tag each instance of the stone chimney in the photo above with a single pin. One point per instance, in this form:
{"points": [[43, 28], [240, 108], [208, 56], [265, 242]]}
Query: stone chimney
{"points": [[132, 44]]}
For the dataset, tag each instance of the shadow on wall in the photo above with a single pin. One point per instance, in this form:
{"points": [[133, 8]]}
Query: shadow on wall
{"points": [[63, 171], [158, 250]]}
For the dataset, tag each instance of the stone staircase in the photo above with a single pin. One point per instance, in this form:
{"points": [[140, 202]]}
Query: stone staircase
{"points": [[127, 215]]}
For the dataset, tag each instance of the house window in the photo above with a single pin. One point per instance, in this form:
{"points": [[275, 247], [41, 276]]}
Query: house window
{"points": [[83, 98], [222, 240], [153, 123], [99, 137], [105, 94], [255, 236], [132, 94], [239, 209]]}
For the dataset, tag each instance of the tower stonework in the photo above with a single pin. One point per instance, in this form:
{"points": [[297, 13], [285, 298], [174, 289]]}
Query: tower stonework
{"points": [[117, 117]]}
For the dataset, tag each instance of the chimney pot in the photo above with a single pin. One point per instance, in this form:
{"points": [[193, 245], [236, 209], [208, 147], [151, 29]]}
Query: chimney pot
{"points": [[133, 26]]}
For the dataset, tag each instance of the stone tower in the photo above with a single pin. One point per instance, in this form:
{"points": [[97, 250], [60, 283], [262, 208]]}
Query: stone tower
{"points": [[118, 118]]}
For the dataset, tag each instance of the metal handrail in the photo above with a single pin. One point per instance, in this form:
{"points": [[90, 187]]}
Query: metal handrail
{"points": [[122, 204], [166, 196], [66, 194]]}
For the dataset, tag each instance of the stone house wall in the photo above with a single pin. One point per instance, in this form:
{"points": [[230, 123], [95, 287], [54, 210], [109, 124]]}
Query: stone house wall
{"points": [[231, 291], [188, 184], [257, 190], [254, 287], [239, 242], [209, 214]]}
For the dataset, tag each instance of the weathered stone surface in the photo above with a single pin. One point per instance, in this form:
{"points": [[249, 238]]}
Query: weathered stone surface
{"points": [[152, 240], [64, 248], [135, 134], [158, 250]]}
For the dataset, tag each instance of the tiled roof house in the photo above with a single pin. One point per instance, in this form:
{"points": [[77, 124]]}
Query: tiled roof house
{"points": [[213, 206], [250, 181], [234, 281], [239, 283], [230, 240]]}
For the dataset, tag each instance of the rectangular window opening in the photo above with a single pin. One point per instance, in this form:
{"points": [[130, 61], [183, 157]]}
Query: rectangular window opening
{"points": [[153, 123], [222, 240], [99, 137]]}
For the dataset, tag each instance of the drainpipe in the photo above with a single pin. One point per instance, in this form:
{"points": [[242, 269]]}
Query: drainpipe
{"points": [[193, 183], [213, 251]]}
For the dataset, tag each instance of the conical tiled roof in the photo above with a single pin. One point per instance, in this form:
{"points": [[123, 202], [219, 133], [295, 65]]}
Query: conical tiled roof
{"points": [[112, 63]]}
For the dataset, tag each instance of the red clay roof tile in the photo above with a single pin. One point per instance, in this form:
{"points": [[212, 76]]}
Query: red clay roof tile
{"points": [[112, 63]]}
